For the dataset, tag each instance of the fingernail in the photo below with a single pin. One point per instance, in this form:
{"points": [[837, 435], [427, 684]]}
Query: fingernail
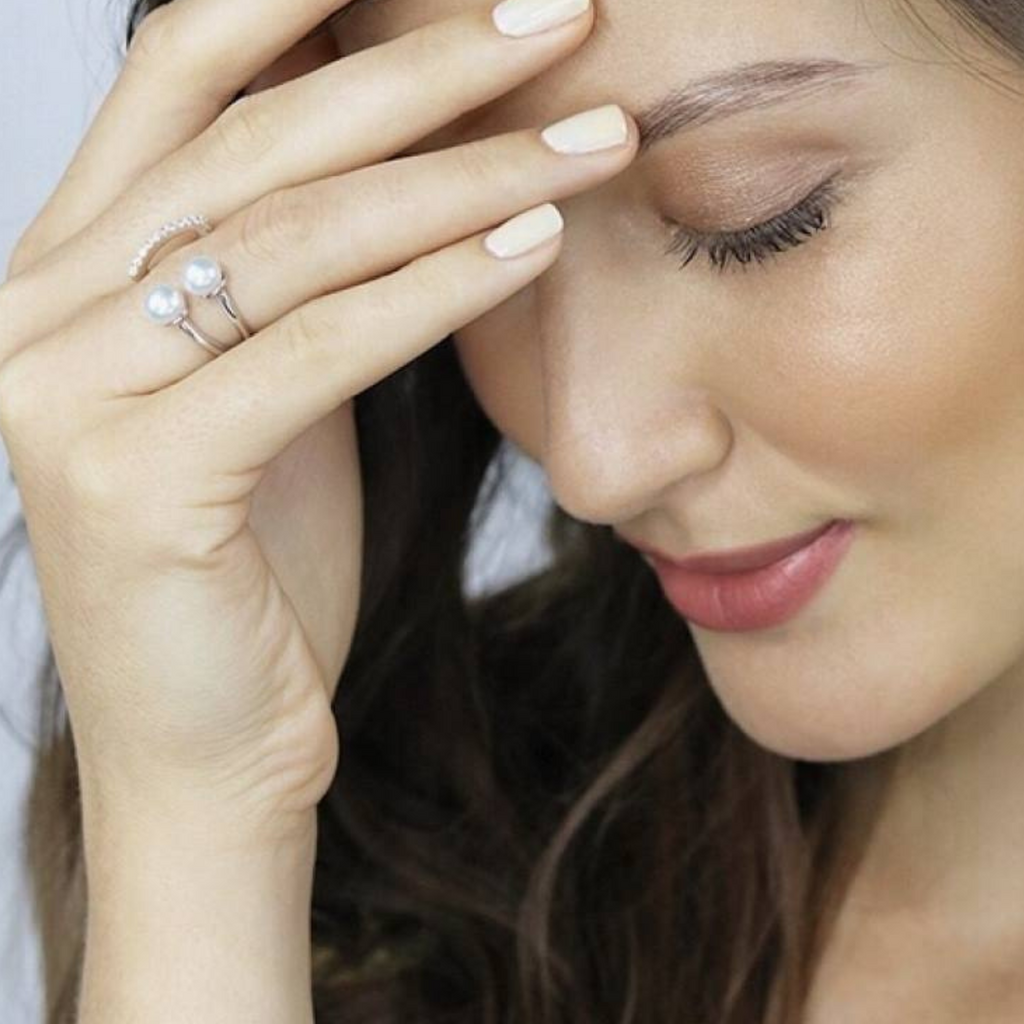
{"points": [[525, 231], [599, 128], [524, 17]]}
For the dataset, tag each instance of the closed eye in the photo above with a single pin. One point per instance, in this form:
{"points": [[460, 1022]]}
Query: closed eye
{"points": [[786, 231]]}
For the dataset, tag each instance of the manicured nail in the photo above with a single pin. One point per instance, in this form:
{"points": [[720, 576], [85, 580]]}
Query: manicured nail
{"points": [[524, 17], [599, 128], [525, 231]]}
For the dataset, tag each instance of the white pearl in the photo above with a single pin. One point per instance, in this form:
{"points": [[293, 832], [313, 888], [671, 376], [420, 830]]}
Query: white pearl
{"points": [[164, 304], [202, 276]]}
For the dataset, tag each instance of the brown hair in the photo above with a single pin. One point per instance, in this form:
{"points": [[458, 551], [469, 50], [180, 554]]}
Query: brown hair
{"points": [[542, 813]]}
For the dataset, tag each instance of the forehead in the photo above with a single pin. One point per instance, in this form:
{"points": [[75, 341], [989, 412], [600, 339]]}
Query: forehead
{"points": [[699, 34], [639, 49]]}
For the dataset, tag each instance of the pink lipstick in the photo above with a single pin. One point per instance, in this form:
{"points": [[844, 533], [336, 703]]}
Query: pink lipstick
{"points": [[754, 588]]}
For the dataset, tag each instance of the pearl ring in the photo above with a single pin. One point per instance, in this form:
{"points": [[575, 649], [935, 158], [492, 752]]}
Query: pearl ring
{"points": [[201, 276]]}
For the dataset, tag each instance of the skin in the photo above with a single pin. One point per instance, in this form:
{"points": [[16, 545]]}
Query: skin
{"points": [[178, 505], [892, 400], [872, 374]]}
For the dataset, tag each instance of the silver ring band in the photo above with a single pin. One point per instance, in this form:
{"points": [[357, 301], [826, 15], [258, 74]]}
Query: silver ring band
{"points": [[168, 307], [202, 276], [205, 277]]}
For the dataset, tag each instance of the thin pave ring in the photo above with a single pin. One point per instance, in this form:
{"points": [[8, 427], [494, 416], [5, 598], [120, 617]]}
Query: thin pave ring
{"points": [[195, 223]]}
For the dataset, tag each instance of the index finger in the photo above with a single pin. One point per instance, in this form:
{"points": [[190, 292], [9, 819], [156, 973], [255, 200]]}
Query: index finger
{"points": [[186, 62]]}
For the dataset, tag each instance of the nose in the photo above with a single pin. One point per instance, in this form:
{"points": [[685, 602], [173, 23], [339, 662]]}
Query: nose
{"points": [[619, 444]]}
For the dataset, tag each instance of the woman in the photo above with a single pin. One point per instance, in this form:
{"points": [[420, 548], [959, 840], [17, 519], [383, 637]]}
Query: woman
{"points": [[786, 303]]}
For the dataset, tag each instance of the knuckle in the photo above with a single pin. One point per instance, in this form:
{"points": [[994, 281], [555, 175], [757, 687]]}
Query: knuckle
{"points": [[11, 311], [157, 38], [92, 475], [381, 307], [304, 330], [242, 134], [479, 164], [386, 188], [34, 242], [21, 395], [432, 280], [279, 224], [427, 48], [23, 255]]}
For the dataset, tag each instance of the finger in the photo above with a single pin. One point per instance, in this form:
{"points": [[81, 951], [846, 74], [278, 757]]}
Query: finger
{"points": [[349, 114], [307, 242], [186, 62], [247, 405]]}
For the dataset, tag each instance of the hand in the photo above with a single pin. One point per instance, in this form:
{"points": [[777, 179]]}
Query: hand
{"points": [[196, 520]]}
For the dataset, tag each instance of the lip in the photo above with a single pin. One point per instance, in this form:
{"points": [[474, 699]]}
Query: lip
{"points": [[760, 597], [740, 559]]}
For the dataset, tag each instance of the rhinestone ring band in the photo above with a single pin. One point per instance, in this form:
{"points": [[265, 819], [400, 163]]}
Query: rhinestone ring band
{"points": [[195, 223]]}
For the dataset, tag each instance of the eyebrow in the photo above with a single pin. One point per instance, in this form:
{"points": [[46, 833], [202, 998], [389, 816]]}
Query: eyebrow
{"points": [[756, 85], [752, 86]]}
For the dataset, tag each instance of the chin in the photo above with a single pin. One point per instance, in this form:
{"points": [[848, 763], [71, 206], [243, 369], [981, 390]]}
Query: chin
{"points": [[833, 695], [808, 741]]}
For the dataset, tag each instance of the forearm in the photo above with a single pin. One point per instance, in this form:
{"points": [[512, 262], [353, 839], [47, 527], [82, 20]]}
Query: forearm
{"points": [[190, 922]]}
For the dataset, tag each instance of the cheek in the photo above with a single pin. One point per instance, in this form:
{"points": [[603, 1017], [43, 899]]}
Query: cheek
{"points": [[893, 359], [894, 367], [500, 358]]}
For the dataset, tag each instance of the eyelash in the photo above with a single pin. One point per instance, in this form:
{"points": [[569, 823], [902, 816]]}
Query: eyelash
{"points": [[786, 231]]}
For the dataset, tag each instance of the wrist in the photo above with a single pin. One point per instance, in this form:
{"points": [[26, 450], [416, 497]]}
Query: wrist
{"points": [[188, 921], [172, 810]]}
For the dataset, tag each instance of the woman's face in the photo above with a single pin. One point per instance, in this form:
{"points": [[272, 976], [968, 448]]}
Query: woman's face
{"points": [[873, 373]]}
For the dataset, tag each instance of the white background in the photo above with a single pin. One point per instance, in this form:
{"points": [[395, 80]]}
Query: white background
{"points": [[57, 60]]}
